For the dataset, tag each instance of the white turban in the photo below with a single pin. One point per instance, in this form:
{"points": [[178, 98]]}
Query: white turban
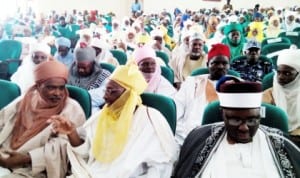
{"points": [[290, 57], [41, 47]]}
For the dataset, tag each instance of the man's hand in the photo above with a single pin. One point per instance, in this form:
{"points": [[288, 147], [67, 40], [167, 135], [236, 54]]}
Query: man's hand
{"points": [[61, 125], [14, 159]]}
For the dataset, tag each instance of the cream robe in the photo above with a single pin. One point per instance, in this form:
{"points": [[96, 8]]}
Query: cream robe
{"points": [[47, 152], [177, 64], [150, 151], [191, 101]]}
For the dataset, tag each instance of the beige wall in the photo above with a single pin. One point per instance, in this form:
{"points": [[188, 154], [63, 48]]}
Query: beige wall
{"points": [[122, 7]]}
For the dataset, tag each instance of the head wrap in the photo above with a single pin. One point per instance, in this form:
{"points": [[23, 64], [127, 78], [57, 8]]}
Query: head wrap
{"points": [[114, 122], [62, 41], [197, 36], [144, 52], [50, 69], [290, 57], [218, 50], [233, 26], [85, 53], [40, 47], [235, 93], [153, 79]]}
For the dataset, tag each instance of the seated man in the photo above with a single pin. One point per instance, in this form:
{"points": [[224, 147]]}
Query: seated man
{"points": [[197, 91], [234, 38], [86, 73], [64, 53], [193, 59], [125, 139], [252, 67], [29, 148], [147, 62], [285, 91], [24, 76], [239, 147], [103, 53]]}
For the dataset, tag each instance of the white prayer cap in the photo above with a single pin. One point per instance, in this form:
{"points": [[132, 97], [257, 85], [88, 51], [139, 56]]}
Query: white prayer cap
{"points": [[233, 92], [197, 36], [187, 22], [99, 43], [156, 32], [290, 57], [62, 41], [41, 47]]}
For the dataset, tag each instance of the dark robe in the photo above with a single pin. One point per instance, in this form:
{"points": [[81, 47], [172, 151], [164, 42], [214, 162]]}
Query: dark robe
{"points": [[196, 151]]}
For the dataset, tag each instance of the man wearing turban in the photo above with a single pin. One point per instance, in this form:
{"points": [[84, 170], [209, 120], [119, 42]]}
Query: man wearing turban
{"points": [[29, 146], [24, 76], [198, 91], [148, 64], [234, 39], [285, 91], [125, 139]]}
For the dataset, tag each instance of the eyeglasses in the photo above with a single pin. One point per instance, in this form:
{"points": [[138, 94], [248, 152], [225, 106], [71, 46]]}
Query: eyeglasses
{"points": [[111, 90], [238, 122], [39, 57]]}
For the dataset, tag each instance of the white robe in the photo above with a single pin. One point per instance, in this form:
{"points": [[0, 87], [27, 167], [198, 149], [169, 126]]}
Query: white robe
{"points": [[150, 151], [252, 160], [165, 88], [47, 152], [190, 105]]}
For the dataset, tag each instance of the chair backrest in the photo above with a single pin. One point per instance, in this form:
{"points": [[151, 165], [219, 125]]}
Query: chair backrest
{"points": [[272, 48], [163, 56], [272, 116], [167, 73], [267, 81], [83, 97], [9, 92], [10, 49], [293, 36], [275, 40], [201, 71], [120, 56], [297, 29], [108, 66], [163, 104]]}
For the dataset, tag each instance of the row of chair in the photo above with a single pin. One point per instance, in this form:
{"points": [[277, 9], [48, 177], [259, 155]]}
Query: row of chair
{"points": [[271, 115]]}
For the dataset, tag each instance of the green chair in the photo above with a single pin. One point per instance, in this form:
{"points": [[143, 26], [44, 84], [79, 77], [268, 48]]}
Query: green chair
{"points": [[120, 56], [274, 47], [10, 49], [201, 71], [9, 92], [167, 73], [267, 81], [163, 56], [294, 37], [296, 29], [163, 104], [275, 40], [272, 116], [83, 97], [107, 66]]}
